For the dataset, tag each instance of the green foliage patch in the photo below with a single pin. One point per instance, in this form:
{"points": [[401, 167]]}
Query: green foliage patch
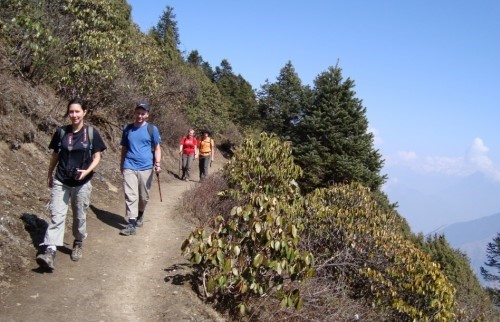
{"points": [[255, 251], [383, 266]]}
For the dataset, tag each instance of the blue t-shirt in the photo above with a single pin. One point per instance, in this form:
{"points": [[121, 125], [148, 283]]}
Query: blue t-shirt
{"points": [[137, 141]]}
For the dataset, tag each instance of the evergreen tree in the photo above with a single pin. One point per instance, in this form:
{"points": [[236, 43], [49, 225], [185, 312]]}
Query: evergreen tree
{"points": [[470, 296], [207, 70], [195, 58], [493, 256], [332, 143], [225, 69], [281, 103], [239, 92], [166, 33]]}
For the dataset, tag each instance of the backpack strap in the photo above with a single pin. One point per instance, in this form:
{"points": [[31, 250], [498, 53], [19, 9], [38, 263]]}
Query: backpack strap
{"points": [[150, 126], [150, 131], [62, 132], [90, 130]]}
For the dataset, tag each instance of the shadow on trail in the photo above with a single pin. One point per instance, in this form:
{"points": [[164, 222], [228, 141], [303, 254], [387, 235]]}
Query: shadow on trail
{"points": [[41, 270], [109, 218], [178, 279], [189, 278], [36, 227], [174, 174]]}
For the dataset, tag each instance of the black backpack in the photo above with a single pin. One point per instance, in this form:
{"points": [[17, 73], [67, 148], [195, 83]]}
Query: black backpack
{"points": [[90, 129]]}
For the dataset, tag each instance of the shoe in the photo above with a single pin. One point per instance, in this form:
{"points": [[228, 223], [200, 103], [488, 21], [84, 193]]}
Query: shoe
{"points": [[186, 179], [47, 259], [130, 230], [140, 221], [76, 254]]}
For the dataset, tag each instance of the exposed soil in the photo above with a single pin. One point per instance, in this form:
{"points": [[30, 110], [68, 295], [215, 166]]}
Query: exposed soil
{"points": [[119, 278]]}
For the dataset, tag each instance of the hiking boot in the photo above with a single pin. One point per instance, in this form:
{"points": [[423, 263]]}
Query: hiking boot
{"points": [[76, 253], [129, 230], [140, 221], [47, 259]]}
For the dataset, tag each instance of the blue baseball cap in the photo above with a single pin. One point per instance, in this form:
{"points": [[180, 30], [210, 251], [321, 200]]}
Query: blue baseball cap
{"points": [[144, 106]]}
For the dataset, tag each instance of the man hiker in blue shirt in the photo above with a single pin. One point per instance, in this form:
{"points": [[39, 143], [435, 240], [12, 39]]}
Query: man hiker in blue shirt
{"points": [[140, 156]]}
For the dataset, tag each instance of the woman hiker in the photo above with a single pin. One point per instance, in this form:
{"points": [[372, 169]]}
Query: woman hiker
{"points": [[188, 150], [77, 151], [206, 153]]}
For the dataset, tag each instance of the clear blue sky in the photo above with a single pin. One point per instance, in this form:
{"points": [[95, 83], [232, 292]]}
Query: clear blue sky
{"points": [[428, 73]]}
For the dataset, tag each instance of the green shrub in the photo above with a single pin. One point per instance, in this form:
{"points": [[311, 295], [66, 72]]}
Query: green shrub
{"points": [[255, 250], [380, 264]]}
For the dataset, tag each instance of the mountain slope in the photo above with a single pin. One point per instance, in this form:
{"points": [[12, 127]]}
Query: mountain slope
{"points": [[472, 237]]}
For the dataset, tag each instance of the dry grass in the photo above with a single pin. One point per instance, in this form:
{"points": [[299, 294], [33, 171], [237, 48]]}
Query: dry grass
{"points": [[203, 203]]}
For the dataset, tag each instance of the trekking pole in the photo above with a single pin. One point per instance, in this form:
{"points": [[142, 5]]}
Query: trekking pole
{"points": [[159, 187]]}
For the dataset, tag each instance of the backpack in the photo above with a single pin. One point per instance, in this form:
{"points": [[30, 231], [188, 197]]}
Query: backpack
{"points": [[127, 128], [203, 141], [90, 129]]}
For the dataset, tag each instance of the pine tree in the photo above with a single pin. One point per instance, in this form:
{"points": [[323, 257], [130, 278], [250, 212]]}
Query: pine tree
{"points": [[195, 58], [493, 256], [281, 103], [332, 143], [166, 33], [239, 92]]}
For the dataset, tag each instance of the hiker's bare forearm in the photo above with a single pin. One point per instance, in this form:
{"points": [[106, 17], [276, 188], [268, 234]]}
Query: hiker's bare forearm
{"points": [[54, 158], [96, 158], [157, 154]]}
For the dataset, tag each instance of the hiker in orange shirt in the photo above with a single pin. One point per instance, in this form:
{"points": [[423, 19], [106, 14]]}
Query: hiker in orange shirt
{"points": [[206, 150]]}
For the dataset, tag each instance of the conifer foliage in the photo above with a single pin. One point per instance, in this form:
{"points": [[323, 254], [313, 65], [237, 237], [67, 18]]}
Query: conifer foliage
{"points": [[493, 275], [281, 103], [239, 92], [332, 142], [166, 33]]}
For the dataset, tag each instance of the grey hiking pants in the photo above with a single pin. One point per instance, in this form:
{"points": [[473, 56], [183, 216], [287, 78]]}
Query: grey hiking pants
{"points": [[187, 162], [203, 166], [136, 185], [61, 196]]}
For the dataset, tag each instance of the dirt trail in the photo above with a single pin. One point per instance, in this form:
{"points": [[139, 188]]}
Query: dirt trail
{"points": [[119, 278]]}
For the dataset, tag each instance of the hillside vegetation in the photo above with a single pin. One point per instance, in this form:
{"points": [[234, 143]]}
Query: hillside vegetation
{"points": [[295, 226]]}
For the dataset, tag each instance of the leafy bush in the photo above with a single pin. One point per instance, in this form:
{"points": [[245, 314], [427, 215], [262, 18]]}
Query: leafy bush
{"points": [[255, 250], [351, 238], [25, 25]]}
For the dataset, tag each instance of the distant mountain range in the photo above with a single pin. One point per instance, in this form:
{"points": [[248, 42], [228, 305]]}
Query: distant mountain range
{"points": [[472, 237], [431, 201]]}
